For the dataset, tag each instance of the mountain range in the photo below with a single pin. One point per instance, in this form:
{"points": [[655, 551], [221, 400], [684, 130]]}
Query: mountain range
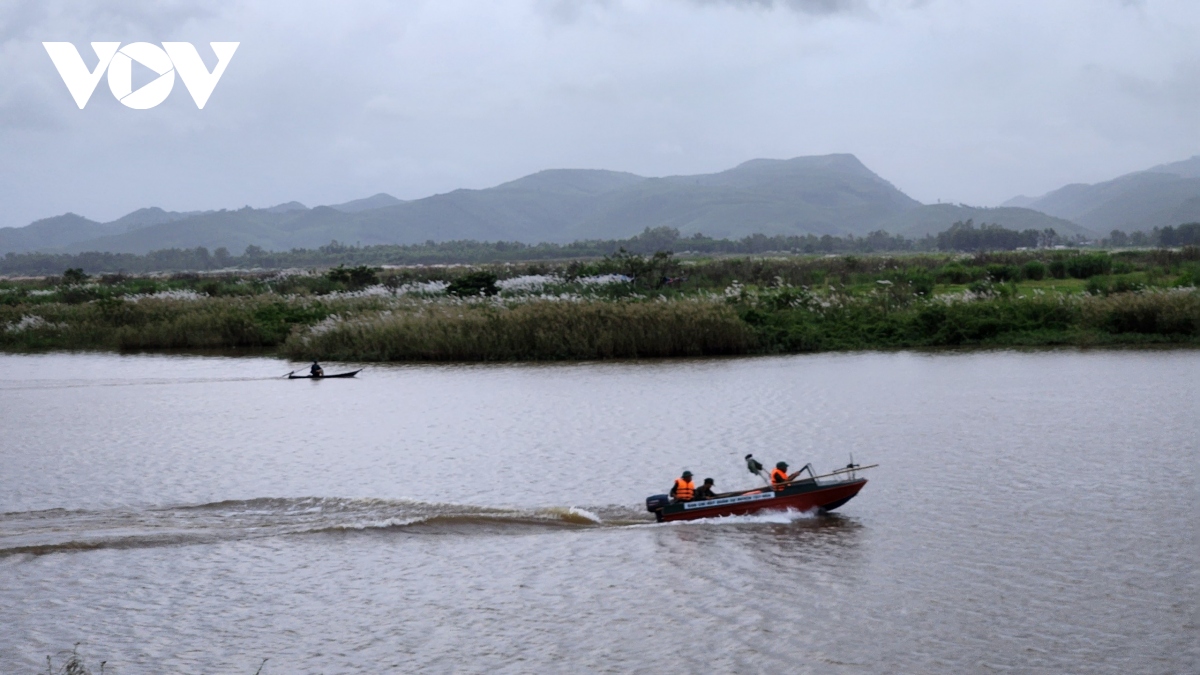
{"points": [[1167, 194], [829, 194]]}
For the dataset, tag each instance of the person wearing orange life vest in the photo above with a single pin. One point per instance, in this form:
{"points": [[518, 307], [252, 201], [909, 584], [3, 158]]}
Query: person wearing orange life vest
{"points": [[684, 489], [780, 475]]}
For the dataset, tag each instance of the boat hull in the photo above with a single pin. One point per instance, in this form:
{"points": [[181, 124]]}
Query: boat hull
{"points": [[803, 496]]}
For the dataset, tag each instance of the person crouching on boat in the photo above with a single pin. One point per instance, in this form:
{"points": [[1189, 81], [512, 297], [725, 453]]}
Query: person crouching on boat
{"points": [[684, 489], [780, 475], [706, 491], [756, 468], [315, 370]]}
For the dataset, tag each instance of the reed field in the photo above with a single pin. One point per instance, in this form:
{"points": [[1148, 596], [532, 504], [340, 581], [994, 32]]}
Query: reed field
{"points": [[539, 330], [623, 306]]}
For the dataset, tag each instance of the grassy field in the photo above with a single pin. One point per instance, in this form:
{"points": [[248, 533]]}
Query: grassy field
{"points": [[624, 306]]}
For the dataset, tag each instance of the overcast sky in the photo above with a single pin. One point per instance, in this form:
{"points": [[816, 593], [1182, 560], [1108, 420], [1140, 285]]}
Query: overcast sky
{"points": [[969, 101]]}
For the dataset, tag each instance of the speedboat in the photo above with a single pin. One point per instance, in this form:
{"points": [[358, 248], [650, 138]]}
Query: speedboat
{"points": [[826, 492]]}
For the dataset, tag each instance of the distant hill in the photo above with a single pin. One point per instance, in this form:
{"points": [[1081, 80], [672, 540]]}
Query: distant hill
{"points": [[367, 203], [60, 232], [286, 207], [147, 217], [1168, 194], [935, 218], [830, 194], [1188, 168], [52, 233]]}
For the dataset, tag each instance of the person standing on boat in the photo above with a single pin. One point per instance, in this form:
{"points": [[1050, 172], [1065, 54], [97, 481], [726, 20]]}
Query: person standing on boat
{"points": [[706, 491], [684, 489], [315, 370], [756, 468], [780, 474]]}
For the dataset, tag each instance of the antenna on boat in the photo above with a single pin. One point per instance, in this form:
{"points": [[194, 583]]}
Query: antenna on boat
{"points": [[852, 466]]}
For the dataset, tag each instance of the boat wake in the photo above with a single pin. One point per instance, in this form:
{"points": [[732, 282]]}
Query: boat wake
{"points": [[59, 530], [26, 385], [768, 517]]}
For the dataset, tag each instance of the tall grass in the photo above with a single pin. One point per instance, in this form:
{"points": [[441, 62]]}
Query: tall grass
{"points": [[1159, 312], [880, 321], [539, 330], [723, 306], [159, 323]]}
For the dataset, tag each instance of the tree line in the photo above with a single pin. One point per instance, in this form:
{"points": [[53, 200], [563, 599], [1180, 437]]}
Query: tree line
{"points": [[1184, 235], [961, 236]]}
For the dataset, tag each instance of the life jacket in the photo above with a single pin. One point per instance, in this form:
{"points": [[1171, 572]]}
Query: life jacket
{"points": [[684, 490], [778, 476]]}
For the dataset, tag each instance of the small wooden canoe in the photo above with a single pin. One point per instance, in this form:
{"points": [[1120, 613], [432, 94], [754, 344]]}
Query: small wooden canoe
{"points": [[352, 373]]}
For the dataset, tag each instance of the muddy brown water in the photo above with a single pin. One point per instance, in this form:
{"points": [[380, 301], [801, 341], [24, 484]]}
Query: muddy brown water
{"points": [[1033, 513]]}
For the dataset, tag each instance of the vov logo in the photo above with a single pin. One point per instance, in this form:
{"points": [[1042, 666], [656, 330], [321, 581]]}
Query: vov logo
{"points": [[171, 58]]}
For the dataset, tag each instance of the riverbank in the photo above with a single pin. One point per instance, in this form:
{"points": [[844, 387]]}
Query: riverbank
{"points": [[624, 306]]}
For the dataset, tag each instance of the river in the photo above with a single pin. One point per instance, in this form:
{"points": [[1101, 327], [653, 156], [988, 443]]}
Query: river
{"points": [[1033, 512]]}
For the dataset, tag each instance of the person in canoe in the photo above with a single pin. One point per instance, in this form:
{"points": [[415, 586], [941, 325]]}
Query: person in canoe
{"points": [[315, 370], [706, 491], [684, 490]]}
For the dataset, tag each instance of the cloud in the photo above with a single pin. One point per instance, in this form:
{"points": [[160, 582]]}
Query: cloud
{"points": [[963, 100], [570, 11], [26, 107], [818, 7], [64, 20]]}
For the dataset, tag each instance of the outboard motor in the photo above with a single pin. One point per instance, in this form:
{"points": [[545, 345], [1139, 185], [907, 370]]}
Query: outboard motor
{"points": [[656, 502]]}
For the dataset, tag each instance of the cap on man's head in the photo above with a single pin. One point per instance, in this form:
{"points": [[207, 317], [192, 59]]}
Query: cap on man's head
{"points": [[687, 474], [781, 465], [709, 481]]}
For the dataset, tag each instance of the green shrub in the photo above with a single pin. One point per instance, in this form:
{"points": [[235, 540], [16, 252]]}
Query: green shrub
{"points": [[1058, 268], [1125, 283], [474, 283], [353, 277], [955, 273], [920, 282], [981, 286], [14, 297], [216, 288], [1089, 265], [1034, 270], [965, 323], [1107, 285], [74, 276], [1189, 275], [74, 295], [141, 287], [1003, 272]]}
